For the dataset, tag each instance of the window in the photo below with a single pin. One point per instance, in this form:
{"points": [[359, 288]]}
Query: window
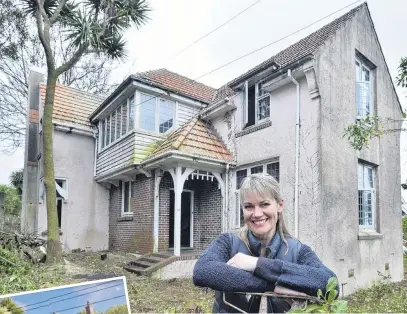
{"points": [[272, 168], [367, 198], [256, 104], [156, 114], [126, 198], [62, 195], [118, 123], [363, 89]]}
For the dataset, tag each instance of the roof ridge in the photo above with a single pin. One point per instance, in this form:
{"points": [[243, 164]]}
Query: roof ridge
{"points": [[76, 89], [343, 18]]}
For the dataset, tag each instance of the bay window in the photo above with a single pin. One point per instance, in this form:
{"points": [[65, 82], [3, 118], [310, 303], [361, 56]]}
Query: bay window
{"points": [[156, 114]]}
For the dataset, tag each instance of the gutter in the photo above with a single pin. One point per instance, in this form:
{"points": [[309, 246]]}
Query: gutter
{"points": [[297, 153], [214, 106], [72, 129]]}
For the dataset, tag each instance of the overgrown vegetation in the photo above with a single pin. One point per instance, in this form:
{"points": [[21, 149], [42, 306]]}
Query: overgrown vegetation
{"points": [[12, 205], [404, 220]]}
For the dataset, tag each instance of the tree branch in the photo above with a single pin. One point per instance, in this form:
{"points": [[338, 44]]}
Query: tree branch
{"points": [[55, 16], [41, 33], [74, 59]]}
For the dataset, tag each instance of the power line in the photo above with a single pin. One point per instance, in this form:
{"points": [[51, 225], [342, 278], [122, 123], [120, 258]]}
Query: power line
{"points": [[75, 307], [276, 41], [220, 26], [74, 297]]}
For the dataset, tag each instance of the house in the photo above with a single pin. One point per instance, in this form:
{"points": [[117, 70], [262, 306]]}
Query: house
{"points": [[156, 166]]}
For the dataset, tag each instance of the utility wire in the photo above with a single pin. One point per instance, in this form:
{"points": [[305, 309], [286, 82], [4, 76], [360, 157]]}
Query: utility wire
{"points": [[212, 31], [74, 297], [276, 41], [75, 307]]}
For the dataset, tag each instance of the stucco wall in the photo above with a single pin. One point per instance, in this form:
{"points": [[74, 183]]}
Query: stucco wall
{"points": [[85, 216], [278, 141], [339, 219]]}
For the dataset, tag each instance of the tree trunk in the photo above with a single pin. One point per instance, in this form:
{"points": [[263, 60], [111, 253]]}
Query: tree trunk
{"points": [[54, 248]]}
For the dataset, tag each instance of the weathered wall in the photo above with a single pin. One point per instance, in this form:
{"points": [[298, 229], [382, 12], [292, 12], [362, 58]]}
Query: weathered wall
{"points": [[133, 234], [340, 246], [278, 142], [85, 215]]}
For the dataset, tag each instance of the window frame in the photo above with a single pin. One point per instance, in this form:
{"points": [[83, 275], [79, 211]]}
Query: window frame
{"points": [[157, 114], [123, 189], [257, 99], [362, 188], [257, 102], [361, 112], [116, 110], [248, 169]]}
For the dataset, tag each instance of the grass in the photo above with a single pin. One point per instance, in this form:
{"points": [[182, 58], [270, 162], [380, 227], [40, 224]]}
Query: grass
{"points": [[382, 297], [172, 296]]}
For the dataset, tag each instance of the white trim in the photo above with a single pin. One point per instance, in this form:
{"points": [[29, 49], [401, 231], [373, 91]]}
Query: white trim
{"points": [[191, 214], [256, 103], [123, 187], [372, 190], [63, 191], [370, 91]]}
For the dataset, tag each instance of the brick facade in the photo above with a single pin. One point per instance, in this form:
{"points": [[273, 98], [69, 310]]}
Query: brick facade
{"points": [[135, 234], [207, 211]]}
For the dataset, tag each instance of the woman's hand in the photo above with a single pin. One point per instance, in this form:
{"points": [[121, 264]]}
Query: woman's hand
{"points": [[243, 261], [284, 290]]}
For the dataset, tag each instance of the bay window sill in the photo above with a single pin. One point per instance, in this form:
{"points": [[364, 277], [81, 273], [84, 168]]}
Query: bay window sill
{"points": [[369, 235]]}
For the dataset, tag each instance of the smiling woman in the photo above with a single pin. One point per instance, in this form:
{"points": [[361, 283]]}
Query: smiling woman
{"points": [[262, 257]]}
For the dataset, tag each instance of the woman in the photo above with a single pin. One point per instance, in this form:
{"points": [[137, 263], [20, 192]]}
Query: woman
{"points": [[262, 257]]}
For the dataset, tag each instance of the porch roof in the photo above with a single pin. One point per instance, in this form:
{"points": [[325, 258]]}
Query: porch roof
{"points": [[196, 138]]}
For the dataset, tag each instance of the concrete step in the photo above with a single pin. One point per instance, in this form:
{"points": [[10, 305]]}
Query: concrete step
{"points": [[162, 255], [134, 269], [153, 259], [142, 263]]}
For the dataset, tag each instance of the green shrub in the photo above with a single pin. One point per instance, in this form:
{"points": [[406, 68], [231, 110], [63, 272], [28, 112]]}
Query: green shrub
{"points": [[404, 220]]}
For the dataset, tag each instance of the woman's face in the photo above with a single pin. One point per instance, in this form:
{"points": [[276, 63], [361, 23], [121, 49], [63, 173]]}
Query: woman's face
{"points": [[261, 213]]}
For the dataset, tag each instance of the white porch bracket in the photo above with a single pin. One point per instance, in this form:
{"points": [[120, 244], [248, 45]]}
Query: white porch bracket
{"points": [[147, 173], [221, 182], [179, 178], [158, 174], [114, 182]]}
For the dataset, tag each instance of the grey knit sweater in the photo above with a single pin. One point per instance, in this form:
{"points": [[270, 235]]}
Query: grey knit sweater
{"points": [[307, 275]]}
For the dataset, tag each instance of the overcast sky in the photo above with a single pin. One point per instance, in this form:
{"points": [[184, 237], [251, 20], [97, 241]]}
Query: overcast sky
{"points": [[177, 23]]}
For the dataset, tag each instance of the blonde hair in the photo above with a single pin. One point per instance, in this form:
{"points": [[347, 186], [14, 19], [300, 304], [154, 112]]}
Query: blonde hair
{"points": [[266, 186]]}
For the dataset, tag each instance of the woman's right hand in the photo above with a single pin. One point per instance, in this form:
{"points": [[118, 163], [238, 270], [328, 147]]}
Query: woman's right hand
{"points": [[287, 291]]}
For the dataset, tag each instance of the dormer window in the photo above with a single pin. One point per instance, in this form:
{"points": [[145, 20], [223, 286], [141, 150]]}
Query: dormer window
{"points": [[156, 114]]}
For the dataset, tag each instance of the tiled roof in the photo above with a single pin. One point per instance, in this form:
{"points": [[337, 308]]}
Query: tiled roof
{"points": [[302, 48], [178, 83], [195, 138], [72, 106]]}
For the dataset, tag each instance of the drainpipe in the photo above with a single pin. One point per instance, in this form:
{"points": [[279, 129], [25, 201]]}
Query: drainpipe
{"points": [[226, 196], [96, 152], [297, 153]]}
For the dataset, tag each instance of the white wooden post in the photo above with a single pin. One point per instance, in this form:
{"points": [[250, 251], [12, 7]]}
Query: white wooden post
{"points": [[157, 177], [222, 191], [179, 178]]}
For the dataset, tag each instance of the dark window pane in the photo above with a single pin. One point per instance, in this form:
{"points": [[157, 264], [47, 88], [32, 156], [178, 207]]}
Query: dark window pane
{"points": [[113, 136], [274, 170], [257, 169], [240, 175]]}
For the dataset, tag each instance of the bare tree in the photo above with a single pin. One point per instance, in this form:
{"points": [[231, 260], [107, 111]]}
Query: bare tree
{"points": [[25, 52]]}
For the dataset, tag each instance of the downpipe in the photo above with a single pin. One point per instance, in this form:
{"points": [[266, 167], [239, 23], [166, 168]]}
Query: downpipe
{"points": [[297, 154]]}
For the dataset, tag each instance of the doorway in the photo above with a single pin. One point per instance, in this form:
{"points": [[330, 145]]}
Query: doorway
{"points": [[187, 205]]}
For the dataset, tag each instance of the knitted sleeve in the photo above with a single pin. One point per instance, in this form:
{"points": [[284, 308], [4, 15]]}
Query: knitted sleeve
{"points": [[212, 271], [307, 275]]}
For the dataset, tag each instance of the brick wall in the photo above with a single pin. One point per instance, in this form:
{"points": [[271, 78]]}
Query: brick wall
{"points": [[207, 211], [133, 234]]}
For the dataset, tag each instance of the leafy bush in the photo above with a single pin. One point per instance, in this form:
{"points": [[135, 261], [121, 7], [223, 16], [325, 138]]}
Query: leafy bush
{"points": [[12, 202], [404, 220]]}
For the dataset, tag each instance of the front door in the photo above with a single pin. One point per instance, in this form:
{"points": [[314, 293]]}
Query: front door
{"points": [[186, 219]]}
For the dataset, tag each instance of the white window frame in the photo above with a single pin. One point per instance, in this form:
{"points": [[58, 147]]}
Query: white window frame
{"points": [[63, 191], [363, 65], [130, 212], [257, 102], [249, 172], [361, 187], [157, 114], [116, 110]]}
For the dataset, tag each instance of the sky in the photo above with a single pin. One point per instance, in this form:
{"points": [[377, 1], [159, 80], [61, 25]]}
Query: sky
{"points": [[177, 23], [59, 300]]}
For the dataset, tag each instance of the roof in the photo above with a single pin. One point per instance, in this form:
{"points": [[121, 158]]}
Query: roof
{"points": [[302, 48], [196, 138], [72, 106], [178, 83]]}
